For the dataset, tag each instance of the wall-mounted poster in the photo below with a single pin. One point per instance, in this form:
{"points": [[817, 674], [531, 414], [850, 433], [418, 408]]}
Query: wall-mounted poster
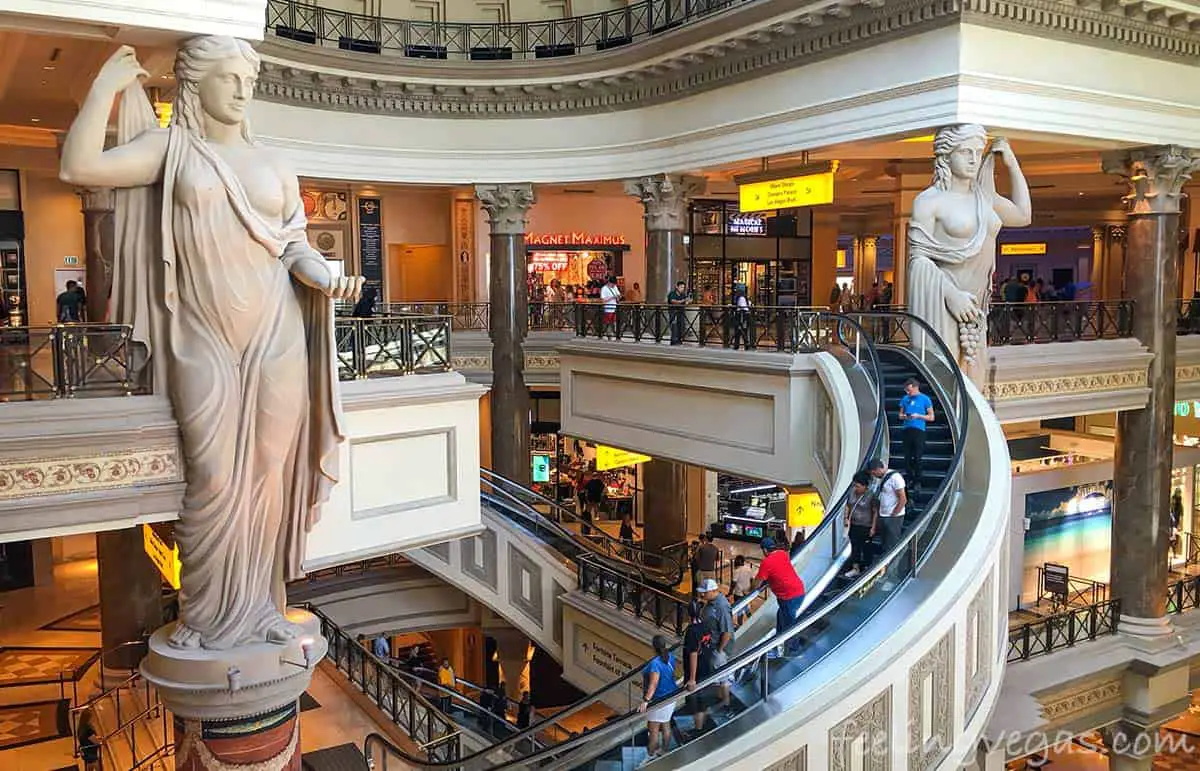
{"points": [[325, 206], [1069, 526], [370, 241], [330, 242]]}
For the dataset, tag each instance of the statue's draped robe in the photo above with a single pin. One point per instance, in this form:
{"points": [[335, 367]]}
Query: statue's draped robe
{"points": [[937, 267], [247, 358]]}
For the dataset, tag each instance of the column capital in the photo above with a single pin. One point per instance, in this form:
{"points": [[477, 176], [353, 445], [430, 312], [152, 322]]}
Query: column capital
{"points": [[1156, 176], [97, 199], [507, 206], [665, 197], [870, 242]]}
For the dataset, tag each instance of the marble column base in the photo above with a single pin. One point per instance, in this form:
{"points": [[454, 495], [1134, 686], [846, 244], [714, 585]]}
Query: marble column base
{"points": [[1145, 628], [236, 707]]}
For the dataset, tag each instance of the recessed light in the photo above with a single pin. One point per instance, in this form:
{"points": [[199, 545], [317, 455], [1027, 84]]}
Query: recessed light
{"points": [[35, 120], [47, 66]]}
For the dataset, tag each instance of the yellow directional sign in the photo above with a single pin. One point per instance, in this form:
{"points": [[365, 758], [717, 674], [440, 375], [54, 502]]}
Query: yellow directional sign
{"points": [[805, 509], [1009, 249], [165, 558], [610, 458], [792, 192]]}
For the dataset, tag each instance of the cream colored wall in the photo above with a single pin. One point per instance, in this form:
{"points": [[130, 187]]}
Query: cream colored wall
{"points": [[473, 10], [53, 230], [824, 255], [596, 214], [415, 215]]}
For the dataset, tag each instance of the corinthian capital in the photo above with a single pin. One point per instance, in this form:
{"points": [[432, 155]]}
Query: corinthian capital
{"points": [[507, 206], [1156, 176], [665, 197]]}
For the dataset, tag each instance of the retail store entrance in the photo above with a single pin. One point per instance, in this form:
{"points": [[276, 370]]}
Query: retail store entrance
{"points": [[579, 262]]}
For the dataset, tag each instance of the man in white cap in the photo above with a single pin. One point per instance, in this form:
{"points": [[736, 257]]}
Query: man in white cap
{"points": [[718, 615]]}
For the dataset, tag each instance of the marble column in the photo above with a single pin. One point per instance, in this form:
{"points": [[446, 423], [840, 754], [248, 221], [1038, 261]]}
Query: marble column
{"points": [[1142, 466], [664, 504], [513, 654], [130, 595], [665, 198], [1098, 263], [507, 207], [865, 269], [98, 244]]}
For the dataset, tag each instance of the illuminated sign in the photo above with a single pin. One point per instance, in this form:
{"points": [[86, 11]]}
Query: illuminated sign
{"points": [[1187, 409], [747, 225], [841, 258], [165, 558], [610, 457], [805, 509], [1015, 249], [548, 262], [792, 192], [574, 239], [541, 468]]}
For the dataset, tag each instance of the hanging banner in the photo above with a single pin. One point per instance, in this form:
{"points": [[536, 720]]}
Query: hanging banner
{"points": [[370, 242], [608, 458], [165, 558], [805, 509]]}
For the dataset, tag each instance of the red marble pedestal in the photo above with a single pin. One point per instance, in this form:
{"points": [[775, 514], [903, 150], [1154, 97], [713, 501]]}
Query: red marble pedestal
{"points": [[268, 742]]}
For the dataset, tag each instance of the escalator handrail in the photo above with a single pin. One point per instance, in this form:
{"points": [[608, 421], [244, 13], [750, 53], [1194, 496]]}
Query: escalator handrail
{"points": [[616, 545], [767, 645], [468, 685], [764, 648]]}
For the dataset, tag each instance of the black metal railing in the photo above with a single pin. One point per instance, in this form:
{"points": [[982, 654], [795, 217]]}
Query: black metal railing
{"points": [[481, 41], [1063, 630], [386, 346], [1052, 322], [66, 361], [666, 611], [1080, 591], [759, 328], [436, 735], [1183, 595]]}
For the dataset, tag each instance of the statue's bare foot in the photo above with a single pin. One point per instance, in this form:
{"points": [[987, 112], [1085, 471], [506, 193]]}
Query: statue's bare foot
{"points": [[184, 637], [281, 631]]}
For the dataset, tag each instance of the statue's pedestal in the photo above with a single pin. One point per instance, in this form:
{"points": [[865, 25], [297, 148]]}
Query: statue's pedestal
{"points": [[236, 707]]}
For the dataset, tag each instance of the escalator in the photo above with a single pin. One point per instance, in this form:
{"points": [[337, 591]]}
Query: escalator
{"points": [[619, 744], [940, 578]]}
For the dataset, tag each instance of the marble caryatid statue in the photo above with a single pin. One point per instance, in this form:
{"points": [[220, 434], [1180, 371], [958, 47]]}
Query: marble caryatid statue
{"points": [[215, 276], [952, 240]]}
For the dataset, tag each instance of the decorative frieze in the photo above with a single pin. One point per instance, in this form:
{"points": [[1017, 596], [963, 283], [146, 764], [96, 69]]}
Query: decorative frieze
{"points": [[980, 617], [89, 473], [786, 43], [937, 668], [866, 734], [1061, 706]]}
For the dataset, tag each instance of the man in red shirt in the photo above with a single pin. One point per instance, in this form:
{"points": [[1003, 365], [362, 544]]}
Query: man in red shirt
{"points": [[777, 573]]}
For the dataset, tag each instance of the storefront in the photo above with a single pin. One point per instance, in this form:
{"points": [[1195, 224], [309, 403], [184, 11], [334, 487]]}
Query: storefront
{"points": [[770, 255], [749, 510], [580, 262], [12, 251]]}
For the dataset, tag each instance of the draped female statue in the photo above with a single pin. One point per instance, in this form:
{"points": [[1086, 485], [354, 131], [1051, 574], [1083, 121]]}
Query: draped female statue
{"points": [[952, 239], [215, 275]]}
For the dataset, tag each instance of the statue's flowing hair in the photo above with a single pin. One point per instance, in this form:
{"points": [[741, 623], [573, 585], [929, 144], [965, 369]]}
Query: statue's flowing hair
{"points": [[944, 143], [195, 58]]}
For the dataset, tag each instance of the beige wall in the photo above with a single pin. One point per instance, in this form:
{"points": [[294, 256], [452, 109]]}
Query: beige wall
{"points": [[824, 255], [53, 230], [474, 10]]}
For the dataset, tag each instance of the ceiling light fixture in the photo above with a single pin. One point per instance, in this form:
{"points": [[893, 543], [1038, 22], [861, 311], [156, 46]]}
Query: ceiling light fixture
{"points": [[48, 67], [35, 120]]}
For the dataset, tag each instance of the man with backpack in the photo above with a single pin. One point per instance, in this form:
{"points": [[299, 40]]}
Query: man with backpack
{"points": [[891, 499], [697, 662]]}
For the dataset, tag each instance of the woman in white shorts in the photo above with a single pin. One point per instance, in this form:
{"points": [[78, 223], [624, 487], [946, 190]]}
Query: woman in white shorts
{"points": [[658, 679]]}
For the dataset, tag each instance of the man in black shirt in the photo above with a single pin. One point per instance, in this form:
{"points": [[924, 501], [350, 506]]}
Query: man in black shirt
{"points": [[697, 661], [706, 558], [677, 298], [70, 304]]}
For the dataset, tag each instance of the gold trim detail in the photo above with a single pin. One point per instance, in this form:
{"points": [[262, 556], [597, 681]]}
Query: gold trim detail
{"points": [[1071, 384]]}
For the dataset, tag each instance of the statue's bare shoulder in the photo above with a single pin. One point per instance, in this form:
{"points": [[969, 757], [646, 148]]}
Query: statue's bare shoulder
{"points": [[926, 205]]}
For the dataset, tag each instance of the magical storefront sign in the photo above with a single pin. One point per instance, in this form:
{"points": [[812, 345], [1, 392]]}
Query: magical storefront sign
{"points": [[575, 238]]}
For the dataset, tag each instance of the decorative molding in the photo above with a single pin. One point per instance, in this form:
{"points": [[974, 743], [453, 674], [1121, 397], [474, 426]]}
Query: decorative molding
{"points": [[1090, 698], [1156, 176], [483, 362], [937, 664], [980, 614], [872, 723], [291, 72], [1071, 384], [507, 206], [797, 761], [664, 198], [89, 473]]}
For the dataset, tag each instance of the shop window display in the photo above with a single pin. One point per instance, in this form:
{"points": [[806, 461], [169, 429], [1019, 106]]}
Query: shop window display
{"points": [[580, 263]]}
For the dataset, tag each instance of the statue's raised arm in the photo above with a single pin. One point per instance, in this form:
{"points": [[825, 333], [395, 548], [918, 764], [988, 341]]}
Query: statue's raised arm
{"points": [[952, 240]]}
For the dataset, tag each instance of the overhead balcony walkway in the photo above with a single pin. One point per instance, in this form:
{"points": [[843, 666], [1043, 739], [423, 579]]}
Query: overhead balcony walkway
{"points": [[916, 641]]}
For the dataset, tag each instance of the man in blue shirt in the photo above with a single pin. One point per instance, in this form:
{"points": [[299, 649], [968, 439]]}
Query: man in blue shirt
{"points": [[916, 410]]}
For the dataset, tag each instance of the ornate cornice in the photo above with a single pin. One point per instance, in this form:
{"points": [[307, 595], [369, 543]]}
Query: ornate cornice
{"points": [[87, 473], [302, 75], [1098, 382]]}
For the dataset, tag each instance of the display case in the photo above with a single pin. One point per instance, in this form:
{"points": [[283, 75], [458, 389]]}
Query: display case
{"points": [[12, 283]]}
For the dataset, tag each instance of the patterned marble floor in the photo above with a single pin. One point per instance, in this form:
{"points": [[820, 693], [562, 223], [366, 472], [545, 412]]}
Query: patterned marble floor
{"points": [[23, 724], [21, 666], [86, 620]]}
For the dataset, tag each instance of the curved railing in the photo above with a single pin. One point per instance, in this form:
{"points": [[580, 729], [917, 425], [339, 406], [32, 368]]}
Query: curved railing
{"points": [[661, 567], [480, 41], [829, 536]]}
